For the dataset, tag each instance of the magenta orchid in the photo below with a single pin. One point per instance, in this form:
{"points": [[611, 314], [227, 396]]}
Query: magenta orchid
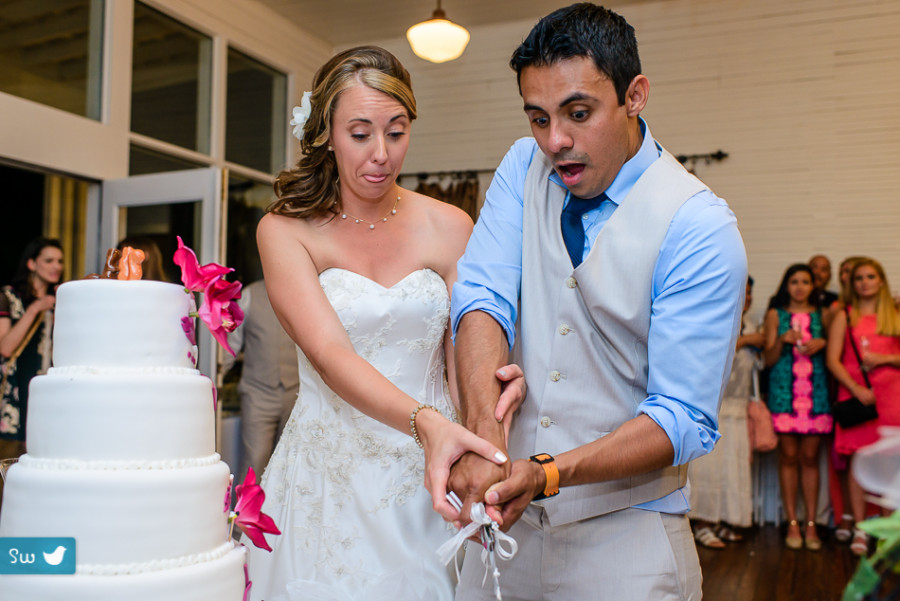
{"points": [[249, 583], [220, 311], [248, 513], [187, 324], [228, 493], [215, 394], [194, 276]]}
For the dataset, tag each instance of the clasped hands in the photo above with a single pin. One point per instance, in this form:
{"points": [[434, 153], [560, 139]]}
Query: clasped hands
{"points": [[809, 347], [505, 488]]}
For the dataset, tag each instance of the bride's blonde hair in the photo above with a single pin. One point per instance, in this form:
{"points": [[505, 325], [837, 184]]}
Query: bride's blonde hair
{"points": [[312, 187]]}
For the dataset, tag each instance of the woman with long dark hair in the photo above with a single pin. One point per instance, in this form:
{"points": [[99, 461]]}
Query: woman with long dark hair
{"points": [[26, 318], [798, 396]]}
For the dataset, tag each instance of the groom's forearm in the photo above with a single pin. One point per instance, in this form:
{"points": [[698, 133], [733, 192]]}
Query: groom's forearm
{"points": [[481, 349]]}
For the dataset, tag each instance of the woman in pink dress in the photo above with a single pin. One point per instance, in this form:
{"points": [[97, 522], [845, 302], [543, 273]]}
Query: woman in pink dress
{"points": [[798, 396], [875, 327]]}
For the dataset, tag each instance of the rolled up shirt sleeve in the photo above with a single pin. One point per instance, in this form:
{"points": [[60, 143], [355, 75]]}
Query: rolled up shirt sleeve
{"points": [[489, 274], [698, 289]]}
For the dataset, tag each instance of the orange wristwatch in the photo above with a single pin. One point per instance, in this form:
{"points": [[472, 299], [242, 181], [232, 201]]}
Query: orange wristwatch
{"points": [[551, 488]]}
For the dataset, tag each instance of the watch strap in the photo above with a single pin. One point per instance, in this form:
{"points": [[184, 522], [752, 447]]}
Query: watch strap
{"points": [[548, 463]]}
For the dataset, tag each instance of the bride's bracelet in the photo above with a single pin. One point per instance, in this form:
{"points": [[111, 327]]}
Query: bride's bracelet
{"points": [[412, 420]]}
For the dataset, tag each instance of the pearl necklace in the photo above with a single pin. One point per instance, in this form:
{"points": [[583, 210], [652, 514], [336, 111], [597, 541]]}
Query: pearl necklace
{"points": [[372, 225]]}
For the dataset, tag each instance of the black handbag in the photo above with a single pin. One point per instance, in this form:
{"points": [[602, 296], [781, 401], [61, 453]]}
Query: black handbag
{"points": [[853, 412]]}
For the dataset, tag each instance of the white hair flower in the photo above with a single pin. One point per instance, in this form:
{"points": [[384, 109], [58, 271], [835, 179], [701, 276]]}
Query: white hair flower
{"points": [[301, 114]]}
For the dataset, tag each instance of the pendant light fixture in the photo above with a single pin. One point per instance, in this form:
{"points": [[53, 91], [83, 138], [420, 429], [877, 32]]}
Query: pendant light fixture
{"points": [[437, 40]]}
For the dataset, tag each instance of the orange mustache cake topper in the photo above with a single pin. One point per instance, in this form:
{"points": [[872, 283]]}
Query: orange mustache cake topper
{"points": [[130, 264], [121, 265]]}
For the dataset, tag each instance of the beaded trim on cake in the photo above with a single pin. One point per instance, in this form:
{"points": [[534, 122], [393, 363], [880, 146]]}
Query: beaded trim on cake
{"points": [[121, 370], [119, 569], [132, 464]]}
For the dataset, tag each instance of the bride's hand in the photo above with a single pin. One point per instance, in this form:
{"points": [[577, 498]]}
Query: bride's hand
{"points": [[511, 396], [445, 442]]}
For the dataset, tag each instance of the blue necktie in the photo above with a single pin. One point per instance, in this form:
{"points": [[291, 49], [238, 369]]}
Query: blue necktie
{"points": [[572, 226]]}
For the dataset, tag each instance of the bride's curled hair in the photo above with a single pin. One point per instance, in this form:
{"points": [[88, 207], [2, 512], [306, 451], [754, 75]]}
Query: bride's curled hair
{"points": [[312, 187]]}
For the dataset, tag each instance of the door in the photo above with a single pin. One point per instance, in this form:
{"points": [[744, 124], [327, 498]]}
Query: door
{"points": [[162, 206]]}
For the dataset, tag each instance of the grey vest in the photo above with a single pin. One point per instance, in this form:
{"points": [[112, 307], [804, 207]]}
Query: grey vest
{"points": [[582, 334], [270, 356]]}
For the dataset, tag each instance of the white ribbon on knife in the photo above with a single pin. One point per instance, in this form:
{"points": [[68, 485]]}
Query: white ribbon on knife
{"points": [[492, 539]]}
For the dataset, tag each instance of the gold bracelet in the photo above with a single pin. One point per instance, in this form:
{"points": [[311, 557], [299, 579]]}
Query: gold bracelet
{"points": [[412, 420]]}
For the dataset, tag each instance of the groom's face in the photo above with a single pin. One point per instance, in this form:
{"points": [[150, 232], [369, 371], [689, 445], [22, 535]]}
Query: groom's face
{"points": [[579, 124]]}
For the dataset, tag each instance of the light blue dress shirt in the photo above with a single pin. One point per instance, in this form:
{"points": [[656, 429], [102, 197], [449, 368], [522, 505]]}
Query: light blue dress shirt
{"points": [[699, 278]]}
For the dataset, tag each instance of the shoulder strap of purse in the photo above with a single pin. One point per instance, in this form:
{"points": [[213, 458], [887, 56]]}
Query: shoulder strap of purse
{"points": [[18, 350], [862, 368], [28, 335]]}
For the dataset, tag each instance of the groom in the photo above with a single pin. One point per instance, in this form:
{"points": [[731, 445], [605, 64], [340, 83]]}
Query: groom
{"points": [[616, 278]]}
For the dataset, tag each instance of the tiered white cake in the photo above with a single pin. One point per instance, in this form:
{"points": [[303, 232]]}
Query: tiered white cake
{"points": [[121, 456]]}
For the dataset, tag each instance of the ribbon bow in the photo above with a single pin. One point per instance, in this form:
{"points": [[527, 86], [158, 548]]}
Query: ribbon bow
{"points": [[492, 541]]}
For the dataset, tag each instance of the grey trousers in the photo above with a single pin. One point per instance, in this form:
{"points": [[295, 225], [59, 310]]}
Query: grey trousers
{"points": [[627, 555], [263, 416]]}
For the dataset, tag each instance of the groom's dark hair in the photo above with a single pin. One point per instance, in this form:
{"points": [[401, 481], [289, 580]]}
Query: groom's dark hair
{"points": [[584, 30]]}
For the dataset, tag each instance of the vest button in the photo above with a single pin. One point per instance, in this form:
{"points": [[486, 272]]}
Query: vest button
{"points": [[564, 329], [570, 282], [546, 421], [555, 375]]}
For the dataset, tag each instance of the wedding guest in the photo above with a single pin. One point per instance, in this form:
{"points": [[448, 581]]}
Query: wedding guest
{"points": [[798, 397], [822, 296], [269, 381], [844, 272], [358, 271], [870, 322], [827, 301], [26, 325], [841, 498], [721, 491]]}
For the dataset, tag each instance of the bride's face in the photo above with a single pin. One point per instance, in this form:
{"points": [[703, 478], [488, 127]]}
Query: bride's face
{"points": [[370, 136]]}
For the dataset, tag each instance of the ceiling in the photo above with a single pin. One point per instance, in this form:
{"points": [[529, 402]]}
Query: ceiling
{"points": [[345, 22]]}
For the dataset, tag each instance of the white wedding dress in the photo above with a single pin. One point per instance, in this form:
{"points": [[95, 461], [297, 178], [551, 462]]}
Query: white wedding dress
{"points": [[345, 490]]}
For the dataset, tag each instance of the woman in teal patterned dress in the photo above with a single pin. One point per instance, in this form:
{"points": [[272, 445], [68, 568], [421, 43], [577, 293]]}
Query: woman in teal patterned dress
{"points": [[798, 396]]}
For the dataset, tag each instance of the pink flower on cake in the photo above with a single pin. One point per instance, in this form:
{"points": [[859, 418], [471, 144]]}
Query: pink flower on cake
{"points": [[247, 580], [228, 492], [187, 324], [220, 311], [215, 393], [248, 513], [194, 276]]}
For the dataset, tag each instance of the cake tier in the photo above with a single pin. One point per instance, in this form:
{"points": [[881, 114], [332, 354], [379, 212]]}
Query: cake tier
{"points": [[112, 322], [221, 579], [119, 516], [121, 414]]}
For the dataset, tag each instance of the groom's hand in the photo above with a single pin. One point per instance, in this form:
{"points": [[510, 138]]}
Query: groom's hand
{"points": [[527, 479], [470, 477]]}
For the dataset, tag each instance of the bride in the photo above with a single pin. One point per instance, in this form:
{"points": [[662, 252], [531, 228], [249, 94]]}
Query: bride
{"points": [[358, 272]]}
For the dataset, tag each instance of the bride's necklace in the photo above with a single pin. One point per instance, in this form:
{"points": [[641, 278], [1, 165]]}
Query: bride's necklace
{"points": [[393, 211]]}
